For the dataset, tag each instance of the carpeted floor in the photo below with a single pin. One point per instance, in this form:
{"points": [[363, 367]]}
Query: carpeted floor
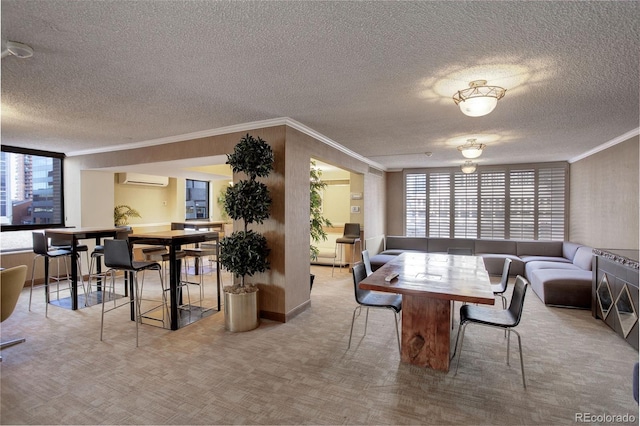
{"points": [[301, 372]]}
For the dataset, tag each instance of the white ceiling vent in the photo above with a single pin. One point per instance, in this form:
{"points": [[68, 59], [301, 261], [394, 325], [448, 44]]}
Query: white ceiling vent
{"points": [[140, 179]]}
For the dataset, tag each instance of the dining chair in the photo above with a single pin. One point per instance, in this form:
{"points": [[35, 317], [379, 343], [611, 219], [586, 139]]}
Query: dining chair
{"points": [[506, 319], [367, 262], [500, 288], [98, 253], [41, 249], [11, 285], [350, 236], [162, 255], [199, 254], [118, 257], [372, 299]]}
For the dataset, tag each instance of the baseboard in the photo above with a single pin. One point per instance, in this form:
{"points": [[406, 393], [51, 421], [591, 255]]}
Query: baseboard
{"points": [[284, 317]]}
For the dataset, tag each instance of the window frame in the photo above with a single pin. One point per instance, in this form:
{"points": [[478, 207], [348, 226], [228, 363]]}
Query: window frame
{"points": [[39, 153], [208, 200], [507, 171]]}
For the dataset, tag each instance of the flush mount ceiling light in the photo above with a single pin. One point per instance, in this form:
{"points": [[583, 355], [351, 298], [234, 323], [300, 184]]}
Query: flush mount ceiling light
{"points": [[14, 48], [471, 149], [468, 167], [479, 99]]}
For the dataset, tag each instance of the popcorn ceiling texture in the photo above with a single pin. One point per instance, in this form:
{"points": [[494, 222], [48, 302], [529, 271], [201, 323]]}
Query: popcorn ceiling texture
{"points": [[376, 77]]}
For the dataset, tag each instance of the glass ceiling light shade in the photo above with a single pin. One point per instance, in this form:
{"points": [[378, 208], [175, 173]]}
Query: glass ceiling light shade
{"points": [[478, 99], [471, 149], [468, 167]]}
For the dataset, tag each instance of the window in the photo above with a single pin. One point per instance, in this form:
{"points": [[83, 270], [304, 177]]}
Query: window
{"points": [[31, 195], [498, 202], [197, 199]]}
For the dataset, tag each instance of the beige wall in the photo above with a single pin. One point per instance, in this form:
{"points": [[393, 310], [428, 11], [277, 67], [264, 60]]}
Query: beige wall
{"points": [[395, 205], [604, 198]]}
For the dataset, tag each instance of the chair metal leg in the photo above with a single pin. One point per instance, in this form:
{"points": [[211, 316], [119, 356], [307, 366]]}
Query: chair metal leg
{"points": [[460, 331], [11, 343], [395, 315], [366, 321], [33, 273], [353, 319]]}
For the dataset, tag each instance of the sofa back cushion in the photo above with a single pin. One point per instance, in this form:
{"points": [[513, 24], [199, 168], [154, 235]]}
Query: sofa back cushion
{"points": [[495, 247], [569, 249], [583, 258], [540, 248], [442, 245], [408, 243]]}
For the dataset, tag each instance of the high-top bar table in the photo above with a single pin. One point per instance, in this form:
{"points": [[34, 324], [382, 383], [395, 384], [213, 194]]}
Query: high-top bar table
{"points": [[428, 283], [73, 235], [174, 240], [215, 225]]}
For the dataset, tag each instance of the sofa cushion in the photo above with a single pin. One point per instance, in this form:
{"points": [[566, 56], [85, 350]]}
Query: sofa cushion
{"points": [[569, 249], [527, 259], [442, 245], [562, 287], [539, 248], [397, 252], [496, 246], [379, 260], [546, 264], [406, 243], [583, 258], [494, 263]]}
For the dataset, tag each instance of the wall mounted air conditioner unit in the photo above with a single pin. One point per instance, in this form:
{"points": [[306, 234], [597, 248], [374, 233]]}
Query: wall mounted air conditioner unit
{"points": [[140, 179]]}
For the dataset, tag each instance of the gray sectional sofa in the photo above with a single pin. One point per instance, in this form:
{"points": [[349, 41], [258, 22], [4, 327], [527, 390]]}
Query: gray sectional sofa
{"points": [[559, 271]]}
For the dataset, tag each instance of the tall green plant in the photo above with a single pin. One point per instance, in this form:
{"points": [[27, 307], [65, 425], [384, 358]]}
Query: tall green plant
{"points": [[317, 221], [245, 251]]}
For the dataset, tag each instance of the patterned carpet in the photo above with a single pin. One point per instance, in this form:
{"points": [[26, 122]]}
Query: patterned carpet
{"points": [[301, 372]]}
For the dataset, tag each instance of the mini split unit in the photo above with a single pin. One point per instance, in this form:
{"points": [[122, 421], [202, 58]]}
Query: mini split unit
{"points": [[140, 179]]}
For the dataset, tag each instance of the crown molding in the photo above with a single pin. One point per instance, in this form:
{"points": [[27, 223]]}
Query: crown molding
{"points": [[612, 142], [280, 121]]}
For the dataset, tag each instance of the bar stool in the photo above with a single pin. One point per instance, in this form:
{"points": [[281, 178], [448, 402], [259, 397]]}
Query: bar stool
{"points": [[41, 249], [98, 253], [198, 254], [118, 257], [351, 236], [160, 254]]}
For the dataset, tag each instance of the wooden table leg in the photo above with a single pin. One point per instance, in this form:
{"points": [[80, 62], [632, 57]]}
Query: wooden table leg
{"points": [[426, 332]]}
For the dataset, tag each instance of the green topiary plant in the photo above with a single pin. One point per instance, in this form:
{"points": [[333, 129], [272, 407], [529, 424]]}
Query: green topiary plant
{"points": [[245, 252], [317, 221]]}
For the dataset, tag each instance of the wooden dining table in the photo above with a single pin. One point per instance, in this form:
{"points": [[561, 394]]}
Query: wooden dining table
{"points": [[175, 239], [429, 283], [73, 236]]}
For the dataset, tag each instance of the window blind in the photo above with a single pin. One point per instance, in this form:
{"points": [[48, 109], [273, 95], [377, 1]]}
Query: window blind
{"points": [[416, 205], [465, 205], [492, 204], [522, 205], [439, 204], [500, 202]]}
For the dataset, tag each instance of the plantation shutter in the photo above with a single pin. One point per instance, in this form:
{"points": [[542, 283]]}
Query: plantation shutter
{"points": [[492, 204], [439, 204], [522, 204], [465, 205], [551, 204], [416, 205]]}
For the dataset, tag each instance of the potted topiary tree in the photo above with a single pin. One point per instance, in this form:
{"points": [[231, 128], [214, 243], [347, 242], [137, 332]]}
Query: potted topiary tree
{"points": [[317, 221], [245, 251]]}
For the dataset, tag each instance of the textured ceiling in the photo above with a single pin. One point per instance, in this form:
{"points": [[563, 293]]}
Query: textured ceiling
{"points": [[375, 77]]}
